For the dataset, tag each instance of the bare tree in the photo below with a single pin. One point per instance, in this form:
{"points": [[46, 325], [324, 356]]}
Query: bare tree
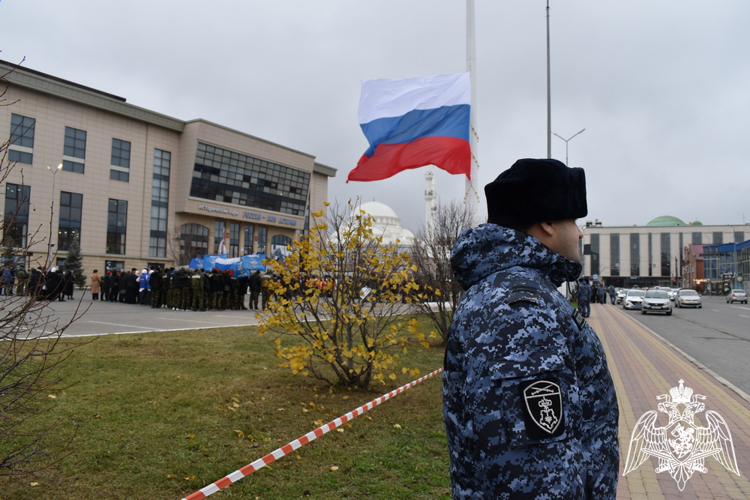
{"points": [[187, 243], [432, 256], [30, 346]]}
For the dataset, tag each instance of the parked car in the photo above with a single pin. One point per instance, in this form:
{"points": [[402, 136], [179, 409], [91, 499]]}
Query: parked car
{"points": [[688, 298], [621, 293], [656, 301], [673, 294], [633, 299], [737, 295]]}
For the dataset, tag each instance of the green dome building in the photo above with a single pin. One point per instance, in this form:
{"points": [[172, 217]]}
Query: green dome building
{"points": [[666, 220]]}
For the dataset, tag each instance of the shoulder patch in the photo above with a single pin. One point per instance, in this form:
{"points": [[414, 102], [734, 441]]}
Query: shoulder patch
{"points": [[578, 318], [524, 290], [543, 408]]}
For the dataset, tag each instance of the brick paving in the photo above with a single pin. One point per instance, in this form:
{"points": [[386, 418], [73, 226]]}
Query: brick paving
{"points": [[643, 367]]}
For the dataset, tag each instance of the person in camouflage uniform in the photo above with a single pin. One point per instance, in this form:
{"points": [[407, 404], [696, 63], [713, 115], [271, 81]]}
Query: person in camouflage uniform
{"points": [[196, 285], [529, 404]]}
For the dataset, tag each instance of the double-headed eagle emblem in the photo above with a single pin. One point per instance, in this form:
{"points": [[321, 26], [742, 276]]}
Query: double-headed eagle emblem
{"points": [[681, 446]]}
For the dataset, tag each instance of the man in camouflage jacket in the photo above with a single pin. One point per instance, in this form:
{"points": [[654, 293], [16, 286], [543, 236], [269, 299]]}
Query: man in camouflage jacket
{"points": [[530, 406]]}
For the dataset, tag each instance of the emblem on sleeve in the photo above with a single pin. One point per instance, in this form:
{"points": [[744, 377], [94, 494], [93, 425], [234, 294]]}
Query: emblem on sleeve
{"points": [[544, 407]]}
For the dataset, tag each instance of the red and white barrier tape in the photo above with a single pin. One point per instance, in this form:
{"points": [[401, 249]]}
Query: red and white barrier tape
{"points": [[285, 450]]}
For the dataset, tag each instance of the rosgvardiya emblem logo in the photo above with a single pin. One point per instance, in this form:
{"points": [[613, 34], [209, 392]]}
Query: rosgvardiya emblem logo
{"points": [[685, 453]]}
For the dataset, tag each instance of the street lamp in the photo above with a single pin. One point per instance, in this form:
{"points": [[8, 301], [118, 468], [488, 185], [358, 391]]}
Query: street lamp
{"points": [[735, 263], [566, 143], [51, 212]]}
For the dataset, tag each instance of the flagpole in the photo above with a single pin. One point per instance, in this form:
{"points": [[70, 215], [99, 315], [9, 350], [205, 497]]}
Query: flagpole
{"points": [[471, 194], [549, 97]]}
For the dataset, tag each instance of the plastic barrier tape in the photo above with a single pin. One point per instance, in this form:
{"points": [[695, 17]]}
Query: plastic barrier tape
{"points": [[285, 450]]}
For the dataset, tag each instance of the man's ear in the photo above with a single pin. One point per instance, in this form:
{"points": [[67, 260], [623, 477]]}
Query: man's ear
{"points": [[548, 228]]}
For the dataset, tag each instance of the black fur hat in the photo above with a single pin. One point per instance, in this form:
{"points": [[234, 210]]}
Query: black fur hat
{"points": [[534, 191]]}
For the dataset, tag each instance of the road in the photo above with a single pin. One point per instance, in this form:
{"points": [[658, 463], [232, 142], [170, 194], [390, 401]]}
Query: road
{"points": [[717, 336], [107, 318]]}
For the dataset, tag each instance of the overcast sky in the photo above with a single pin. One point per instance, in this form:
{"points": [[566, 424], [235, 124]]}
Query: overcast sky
{"points": [[662, 88]]}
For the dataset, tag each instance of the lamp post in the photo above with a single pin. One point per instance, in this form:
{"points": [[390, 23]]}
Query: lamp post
{"points": [[566, 143], [735, 264], [51, 212]]}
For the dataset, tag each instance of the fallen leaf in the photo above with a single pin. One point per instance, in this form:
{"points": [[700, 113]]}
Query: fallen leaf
{"points": [[189, 478], [52, 396], [221, 409], [170, 476], [235, 405], [33, 484], [346, 397], [397, 426], [230, 408], [239, 433], [235, 400], [305, 410], [340, 430], [190, 436], [166, 397], [333, 468]]}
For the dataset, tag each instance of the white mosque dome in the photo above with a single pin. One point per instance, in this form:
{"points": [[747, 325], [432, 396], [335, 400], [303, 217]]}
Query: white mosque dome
{"points": [[387, 223]]}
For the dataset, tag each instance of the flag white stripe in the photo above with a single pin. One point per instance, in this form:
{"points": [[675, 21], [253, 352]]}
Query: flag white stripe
{"points": [[390, 98]]}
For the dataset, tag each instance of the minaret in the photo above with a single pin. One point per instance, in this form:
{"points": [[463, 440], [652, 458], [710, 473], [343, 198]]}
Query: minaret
{"points": [[430, 198]]}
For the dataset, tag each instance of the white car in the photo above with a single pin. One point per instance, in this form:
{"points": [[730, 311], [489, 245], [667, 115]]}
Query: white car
{"points": [[621, 293], [656, 301], [688, 298], [633, 299], [737, 295], [673, 294]]}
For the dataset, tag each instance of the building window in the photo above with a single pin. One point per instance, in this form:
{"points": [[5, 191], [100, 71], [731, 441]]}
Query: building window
{"points": [[114, 265], [614, 254], [69, 226], [219, 237], [262, 232], [279, 244], [193, 242], [666, 241], [594, 254], [117, 225], [21, 144], [697, 239], [248, 241], [739, 236], [718, 237], [16, 221], [234, 240], [75, 150], [120, 162], [159, 204], [635, 255], [226, 176]]}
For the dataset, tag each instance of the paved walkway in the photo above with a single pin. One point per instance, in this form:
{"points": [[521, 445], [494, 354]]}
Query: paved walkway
{"points": [[645, 366]]}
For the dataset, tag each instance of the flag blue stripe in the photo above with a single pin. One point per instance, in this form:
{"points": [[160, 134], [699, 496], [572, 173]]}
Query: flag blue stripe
{"points": [[447, 121]]}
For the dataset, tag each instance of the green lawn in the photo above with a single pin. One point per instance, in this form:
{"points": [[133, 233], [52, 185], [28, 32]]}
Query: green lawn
{"points": [[162, 415]]}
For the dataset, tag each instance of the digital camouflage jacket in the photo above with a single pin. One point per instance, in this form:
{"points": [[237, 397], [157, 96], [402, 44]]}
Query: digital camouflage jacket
{"points": [[529, 404]]}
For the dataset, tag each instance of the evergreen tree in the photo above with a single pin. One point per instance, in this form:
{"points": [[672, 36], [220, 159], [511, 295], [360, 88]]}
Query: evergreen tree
{"points": [[74, 263]]}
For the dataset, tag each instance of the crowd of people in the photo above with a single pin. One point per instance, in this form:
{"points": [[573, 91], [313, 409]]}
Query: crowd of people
{"points": [[50, 285], [181, 289], [586, 294]]}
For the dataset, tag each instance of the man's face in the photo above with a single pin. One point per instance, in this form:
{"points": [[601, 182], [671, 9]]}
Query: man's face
{"points": [[565, 241]]}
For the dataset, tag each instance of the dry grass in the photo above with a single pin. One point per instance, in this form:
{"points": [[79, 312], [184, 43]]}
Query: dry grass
{"points": [[161, 415]]}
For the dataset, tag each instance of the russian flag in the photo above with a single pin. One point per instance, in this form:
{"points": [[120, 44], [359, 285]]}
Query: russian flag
{"points": [[413, 123]]}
